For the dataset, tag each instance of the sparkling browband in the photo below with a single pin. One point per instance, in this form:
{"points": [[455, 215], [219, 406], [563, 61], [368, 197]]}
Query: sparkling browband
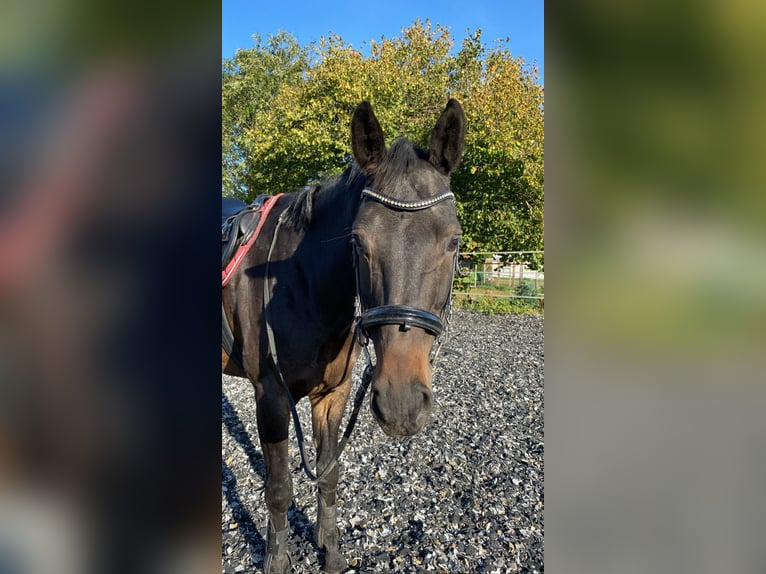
{"points": [[415, 205]]}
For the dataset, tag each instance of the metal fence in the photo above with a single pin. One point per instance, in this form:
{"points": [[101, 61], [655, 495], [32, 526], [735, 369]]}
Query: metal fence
{"points": [[509, 274]]}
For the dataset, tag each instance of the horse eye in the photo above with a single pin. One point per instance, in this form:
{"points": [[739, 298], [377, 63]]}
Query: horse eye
{"points": [[358, 245], [453, 244]]}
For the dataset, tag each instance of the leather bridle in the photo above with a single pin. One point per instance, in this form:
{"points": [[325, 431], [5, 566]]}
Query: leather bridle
{"points": [[405, 316]]}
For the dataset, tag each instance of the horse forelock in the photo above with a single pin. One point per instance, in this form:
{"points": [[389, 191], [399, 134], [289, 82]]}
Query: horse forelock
{"points": [[400, 160]]}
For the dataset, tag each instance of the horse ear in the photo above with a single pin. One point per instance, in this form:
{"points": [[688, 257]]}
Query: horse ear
{"points": [[367, 141], [448, 138]]}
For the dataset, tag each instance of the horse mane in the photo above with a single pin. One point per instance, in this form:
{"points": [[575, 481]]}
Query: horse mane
{"points": [[399, 159], [300, 212]]}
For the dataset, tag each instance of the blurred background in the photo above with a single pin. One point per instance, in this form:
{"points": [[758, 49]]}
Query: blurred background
{"points": [[109, 391], [656, 315], [656, 305]]}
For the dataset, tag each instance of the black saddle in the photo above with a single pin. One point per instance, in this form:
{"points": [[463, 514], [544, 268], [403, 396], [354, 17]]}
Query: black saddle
{"points": [[230, 206], [238, 223]]}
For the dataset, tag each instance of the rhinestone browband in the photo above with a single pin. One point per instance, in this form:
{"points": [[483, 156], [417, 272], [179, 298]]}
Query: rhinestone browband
{"points": [[415, 205]]}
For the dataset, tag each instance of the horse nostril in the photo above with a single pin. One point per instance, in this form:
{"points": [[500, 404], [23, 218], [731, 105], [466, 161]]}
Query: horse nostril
{"points": [[375, 407], [420, 395]]}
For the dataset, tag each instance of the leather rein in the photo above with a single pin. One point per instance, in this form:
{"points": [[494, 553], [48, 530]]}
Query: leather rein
{"points": [[403, 315]]}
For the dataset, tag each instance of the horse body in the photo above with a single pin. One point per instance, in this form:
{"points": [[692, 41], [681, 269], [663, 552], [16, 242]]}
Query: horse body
{"points": [[331, 244], [311, 281], [312, 296]]}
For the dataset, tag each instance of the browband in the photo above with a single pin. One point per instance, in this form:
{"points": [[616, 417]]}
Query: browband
{"points": [[415, 205]]}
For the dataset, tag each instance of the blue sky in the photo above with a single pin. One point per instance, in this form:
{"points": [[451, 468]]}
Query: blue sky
{"points": [[359, 22]]}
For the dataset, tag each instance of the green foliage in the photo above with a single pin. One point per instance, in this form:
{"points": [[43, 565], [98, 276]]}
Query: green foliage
{"points": [[498, 305], [464, 282], [526, 289], [251, 81], [287, 110]]}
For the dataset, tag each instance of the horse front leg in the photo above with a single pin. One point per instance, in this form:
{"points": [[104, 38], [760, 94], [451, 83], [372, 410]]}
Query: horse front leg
{"points": [[272, 412], [326, 415]]}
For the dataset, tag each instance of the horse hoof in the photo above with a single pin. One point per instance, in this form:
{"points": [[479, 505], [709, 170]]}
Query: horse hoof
{"points": [[334, 563], [277, 564], [328, 540]]}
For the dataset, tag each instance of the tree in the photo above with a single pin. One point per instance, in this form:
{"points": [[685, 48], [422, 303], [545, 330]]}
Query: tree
{"points": [[250, 82], [287, 110]]}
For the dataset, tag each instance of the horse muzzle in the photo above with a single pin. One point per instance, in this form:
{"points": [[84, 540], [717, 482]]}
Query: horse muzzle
{"points": [[402, 409], [401, 397]]}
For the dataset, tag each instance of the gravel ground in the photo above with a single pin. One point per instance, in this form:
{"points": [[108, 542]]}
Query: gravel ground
{"points": [[464, 495]]}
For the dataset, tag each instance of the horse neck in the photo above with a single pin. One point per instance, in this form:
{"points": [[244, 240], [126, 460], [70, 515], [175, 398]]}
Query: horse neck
{"points": [[330, 236]]}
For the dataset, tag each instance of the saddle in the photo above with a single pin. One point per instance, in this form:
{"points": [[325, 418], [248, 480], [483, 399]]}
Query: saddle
{"points": [[238, 223]]}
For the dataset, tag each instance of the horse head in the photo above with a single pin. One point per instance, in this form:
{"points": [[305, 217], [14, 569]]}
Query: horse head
{"points": [[405, 237]]}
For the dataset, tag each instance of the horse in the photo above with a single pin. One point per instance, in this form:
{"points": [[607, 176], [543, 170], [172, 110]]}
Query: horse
{"points": [[367, 255]]}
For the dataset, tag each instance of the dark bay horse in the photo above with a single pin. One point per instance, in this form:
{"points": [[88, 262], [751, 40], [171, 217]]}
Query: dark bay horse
{"points": [[386, 231]]}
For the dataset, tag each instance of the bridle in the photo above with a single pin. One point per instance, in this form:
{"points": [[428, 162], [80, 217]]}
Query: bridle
{"points": [[403, 315]]}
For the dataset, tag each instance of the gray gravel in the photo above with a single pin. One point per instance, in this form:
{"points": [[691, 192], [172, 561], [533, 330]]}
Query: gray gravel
{"points": [[464, 495]]}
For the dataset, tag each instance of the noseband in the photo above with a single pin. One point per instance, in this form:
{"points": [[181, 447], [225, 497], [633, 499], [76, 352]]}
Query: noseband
{"points": [[404, 315]]}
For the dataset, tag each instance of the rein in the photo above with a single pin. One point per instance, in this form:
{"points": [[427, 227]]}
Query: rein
{"points": [[403, 315], [358, 398]]}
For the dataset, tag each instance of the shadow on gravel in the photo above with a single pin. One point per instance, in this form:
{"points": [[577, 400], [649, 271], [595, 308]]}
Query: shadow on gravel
{"points": [[300, 525], [239, 433], [239, 512]]}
